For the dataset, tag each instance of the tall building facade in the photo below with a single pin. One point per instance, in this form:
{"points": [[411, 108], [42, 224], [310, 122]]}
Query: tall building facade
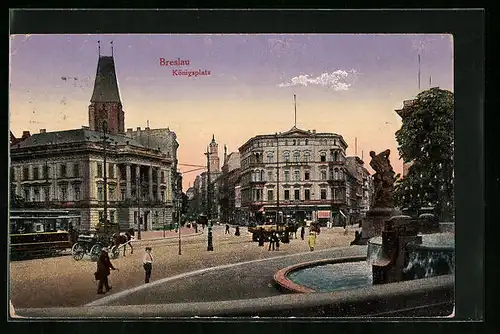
{"points": [[301, 172], [403, 113], [65, 169], [228, 181]]}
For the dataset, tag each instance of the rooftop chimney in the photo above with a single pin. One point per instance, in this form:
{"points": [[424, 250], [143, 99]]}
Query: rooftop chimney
{"points": [[313, 131], [43, 130], [129, 129], [26, 134], [138, 128]]}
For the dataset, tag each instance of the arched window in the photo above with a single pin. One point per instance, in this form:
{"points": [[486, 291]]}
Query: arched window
{"points": [[322, 157], [307, 156], [270, 157], [336, 174], [252, 176], [286, 156], [296, 156], [261, 175], [335, 156], [306, 142]]}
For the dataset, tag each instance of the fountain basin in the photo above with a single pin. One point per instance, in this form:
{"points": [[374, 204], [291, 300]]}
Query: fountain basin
{"points": [[286, 282]]}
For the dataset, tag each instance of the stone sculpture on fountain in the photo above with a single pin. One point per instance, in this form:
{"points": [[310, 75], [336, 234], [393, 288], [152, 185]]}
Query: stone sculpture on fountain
{"points": [[382, 206]]}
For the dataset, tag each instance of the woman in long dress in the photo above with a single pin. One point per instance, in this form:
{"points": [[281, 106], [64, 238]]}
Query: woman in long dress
{"points": [[312, 239]]}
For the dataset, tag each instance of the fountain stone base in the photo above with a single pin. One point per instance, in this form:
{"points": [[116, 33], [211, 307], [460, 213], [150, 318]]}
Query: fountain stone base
{"points": [[373, 223]]}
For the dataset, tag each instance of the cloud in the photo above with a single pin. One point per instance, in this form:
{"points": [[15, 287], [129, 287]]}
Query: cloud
{"points": [[339, 80]]}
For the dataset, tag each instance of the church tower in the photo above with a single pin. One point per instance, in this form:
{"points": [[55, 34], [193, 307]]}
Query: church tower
{"points": [[214, 156], [105, 104]]}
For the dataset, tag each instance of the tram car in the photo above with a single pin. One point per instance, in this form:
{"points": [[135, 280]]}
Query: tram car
{"points": [[34, 232]]}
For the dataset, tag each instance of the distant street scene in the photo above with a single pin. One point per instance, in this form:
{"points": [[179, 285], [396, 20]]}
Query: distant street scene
{"points": [[167, 169]]}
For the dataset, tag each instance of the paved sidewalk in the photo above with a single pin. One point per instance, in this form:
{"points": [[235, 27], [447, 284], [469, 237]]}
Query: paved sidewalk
{"points": [[152, 235]]}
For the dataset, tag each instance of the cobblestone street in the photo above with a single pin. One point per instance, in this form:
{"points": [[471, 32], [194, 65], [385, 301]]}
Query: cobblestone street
{"points": [[62, 281]]}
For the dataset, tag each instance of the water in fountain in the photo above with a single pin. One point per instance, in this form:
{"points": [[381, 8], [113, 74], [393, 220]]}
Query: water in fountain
{"points": [[334, 277], [435, 256]]}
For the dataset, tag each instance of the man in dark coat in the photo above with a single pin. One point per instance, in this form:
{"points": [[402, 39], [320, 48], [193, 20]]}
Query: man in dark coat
{"points": [[302, 232], [261, 237], [103, 270]]}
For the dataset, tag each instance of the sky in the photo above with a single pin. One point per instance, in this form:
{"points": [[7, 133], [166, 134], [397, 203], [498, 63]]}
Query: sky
{"points": [[344, 83]]}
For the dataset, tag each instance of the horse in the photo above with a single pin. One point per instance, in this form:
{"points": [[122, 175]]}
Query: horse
{"points": [[292, 229], [123, 239]]}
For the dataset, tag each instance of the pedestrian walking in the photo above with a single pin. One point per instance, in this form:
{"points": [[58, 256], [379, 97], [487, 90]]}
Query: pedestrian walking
{"points": [[195, 227], [277, 241], [261, 237], [302, 232], [227, 229], [103, 270], [237, 231], [147, 263], [271, 241], [312, 239]]}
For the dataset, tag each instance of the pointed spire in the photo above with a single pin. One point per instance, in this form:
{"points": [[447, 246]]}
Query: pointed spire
{"points": [[106, 84], [99, 48], [111, 48]]}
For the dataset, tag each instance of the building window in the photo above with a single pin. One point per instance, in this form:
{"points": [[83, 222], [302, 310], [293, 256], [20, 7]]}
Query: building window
{"points": [[35, 173], [323, 157], [12, 174], [112, 217], [307, 175], [307, 156], [27, 194], [297, 194], [111, 193], [296, 156], [287, 195], [270, 195], [64, 193], [261, 175], [99, 169], [294, 142], [76, 170], [270, 158], [307, 142], [336, 174], [323, 193], [100, 194], [46, 172], [286, 142], [112, 171], [162, 176], [122, 194], [46, 193], [323, 175], [76, 190], [36, 194], [162, 196], [287, 176], [269, 176], [63, 170], [307, 194], [286, 156], [101, 216], [297, 175], [26, 173]]}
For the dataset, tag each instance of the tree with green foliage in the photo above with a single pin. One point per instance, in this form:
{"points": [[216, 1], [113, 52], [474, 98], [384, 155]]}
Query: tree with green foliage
{"points": [[426, 139]]}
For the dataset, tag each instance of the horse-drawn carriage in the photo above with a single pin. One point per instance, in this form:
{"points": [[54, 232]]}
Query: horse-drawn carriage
{"points": [[92, 244]]}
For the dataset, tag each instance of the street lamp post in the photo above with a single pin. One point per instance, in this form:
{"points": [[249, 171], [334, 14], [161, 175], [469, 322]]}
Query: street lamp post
{"points": [[210, 246], [164, 221], [179, 222], [105, 176], [139, 193], [277, 181]]}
